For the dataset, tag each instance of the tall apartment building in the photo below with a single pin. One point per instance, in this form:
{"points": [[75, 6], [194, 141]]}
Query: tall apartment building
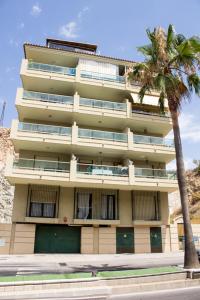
{"points": [[89, 166]]}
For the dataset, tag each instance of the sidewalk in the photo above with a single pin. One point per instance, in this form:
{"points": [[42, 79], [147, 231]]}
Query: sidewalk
{"points": [[68, 263]]}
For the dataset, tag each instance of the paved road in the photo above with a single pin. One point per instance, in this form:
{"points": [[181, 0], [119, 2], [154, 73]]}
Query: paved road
{"points": [[179, 294], [63, 263]]}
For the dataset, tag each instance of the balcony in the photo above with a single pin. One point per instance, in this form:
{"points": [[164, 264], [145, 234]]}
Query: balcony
{"points": [[148, 178], [41, 165], [38, 137], [36, 105], [150, 113], [34, 171], [34, 137], [102, 135], [103, 105], [61, 73], [62, 173], [105, 170], [152, 140], [155, 173], [51, 68], [103, 77], [48, 98], [44, 129]]}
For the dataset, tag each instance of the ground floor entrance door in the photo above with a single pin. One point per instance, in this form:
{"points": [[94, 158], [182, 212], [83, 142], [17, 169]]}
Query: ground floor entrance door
{"points": [[57, 239], [156, 239], [125, 239]]}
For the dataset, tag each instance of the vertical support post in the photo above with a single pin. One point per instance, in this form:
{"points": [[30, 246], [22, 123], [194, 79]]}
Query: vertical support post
{"points": [[74, 133], [73, 169], [128, 108], [76, 101], [14, 129], [131, 172]]}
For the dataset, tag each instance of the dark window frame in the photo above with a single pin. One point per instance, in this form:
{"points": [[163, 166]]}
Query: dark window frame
{"points": [[42, 210]]}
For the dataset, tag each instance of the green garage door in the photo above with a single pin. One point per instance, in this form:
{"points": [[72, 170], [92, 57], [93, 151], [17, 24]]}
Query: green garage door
{"points": [[156, 239], [125, 240], [57, 239]]}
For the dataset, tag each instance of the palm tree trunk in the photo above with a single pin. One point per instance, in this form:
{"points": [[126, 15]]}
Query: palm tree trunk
{"points": [[191, 258]]}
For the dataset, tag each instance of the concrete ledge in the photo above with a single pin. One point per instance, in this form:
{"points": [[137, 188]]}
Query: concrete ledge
{"points": [[99, 281], [193, 274]]}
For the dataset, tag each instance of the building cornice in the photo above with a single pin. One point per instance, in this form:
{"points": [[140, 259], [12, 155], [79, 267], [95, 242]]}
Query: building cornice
{"points": [[114, 59]]}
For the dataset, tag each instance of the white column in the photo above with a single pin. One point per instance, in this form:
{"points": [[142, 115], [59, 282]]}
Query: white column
{"points": [[24, 66], [130, 139], [131, 171], [74, 133], [14, 129], [128, 108], [76, 101], [78, 76], [73, 169], [19, 95]]}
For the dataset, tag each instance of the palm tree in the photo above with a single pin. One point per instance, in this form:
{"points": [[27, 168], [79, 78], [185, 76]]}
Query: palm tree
{"points": [[171, 68]]}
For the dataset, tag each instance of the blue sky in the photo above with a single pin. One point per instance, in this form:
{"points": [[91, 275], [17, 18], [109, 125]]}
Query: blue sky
{"points": [[118, 27]]}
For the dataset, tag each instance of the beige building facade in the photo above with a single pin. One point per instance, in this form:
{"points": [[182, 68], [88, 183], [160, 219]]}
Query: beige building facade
{"points": [[89, 161]]}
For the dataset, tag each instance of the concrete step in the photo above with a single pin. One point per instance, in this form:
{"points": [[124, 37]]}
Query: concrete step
{"points": [[154, 286], [90, 282], [101, 293]]}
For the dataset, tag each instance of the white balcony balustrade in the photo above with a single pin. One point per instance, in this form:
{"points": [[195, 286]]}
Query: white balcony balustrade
{"points": [[44, 129], [51, 68], [69, 173]]}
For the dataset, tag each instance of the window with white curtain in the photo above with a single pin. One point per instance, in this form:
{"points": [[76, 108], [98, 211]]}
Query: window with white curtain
{"points": [[84, 205], [42, 201], [108, 207], [146, 206]]}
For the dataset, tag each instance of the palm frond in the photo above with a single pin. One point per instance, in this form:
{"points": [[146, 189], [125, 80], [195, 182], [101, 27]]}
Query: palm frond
{"points": [[170, 66], [194, 83], [145, 50], [142, 92], [161, 102], [170, 37]]}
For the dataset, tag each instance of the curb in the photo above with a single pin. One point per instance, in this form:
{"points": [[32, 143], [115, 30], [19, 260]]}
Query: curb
{"points": [[82, 280]]}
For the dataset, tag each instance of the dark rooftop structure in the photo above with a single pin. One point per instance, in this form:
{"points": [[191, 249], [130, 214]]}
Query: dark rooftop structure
{"points": [[72, 46]]}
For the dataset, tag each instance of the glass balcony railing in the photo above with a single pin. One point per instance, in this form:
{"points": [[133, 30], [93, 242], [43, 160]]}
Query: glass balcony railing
{"points": [[152, 140], [103, 76], [43, 97], [51, 68], [46, 129], [89, 169], [103, 104], [102, 135], [142, 112], [41, 165], [155, 173]]}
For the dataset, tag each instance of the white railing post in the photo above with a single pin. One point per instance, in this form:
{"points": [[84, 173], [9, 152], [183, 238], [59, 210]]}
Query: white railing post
{"points": [[76, 101], [128, 108], [78, 73], [24, 66], [73, 168], [14, 129], [131, 172], [130, 139], [74, 134]]}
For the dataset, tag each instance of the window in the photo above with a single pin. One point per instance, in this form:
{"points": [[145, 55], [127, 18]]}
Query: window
{"points": [[46, 210], [42, 201], [84, 205], [108, 207], [146, 206], [96, 204]]}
